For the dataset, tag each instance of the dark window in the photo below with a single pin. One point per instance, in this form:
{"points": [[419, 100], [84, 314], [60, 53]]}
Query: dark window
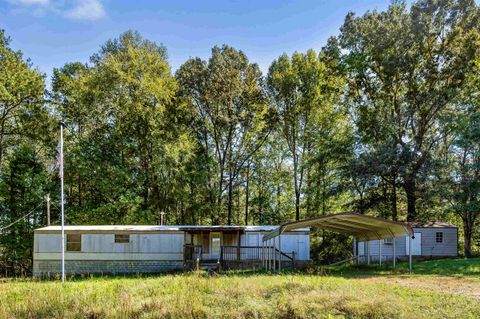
{"points": [[439, 237], [122, 238], [74, 242], [388, 241]]}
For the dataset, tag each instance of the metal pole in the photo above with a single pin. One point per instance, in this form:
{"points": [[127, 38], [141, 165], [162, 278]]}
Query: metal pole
{"points": [[279, 252], [264, 259], [354, 247], [271, 254], [394, 256], [380, 243], [269, 257], [410, 253], [48, 209], [62, 203], [274, 254], [368, 252]]}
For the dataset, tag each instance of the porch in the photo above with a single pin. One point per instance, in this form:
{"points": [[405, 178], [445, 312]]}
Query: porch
{"points": [[223, 247]]}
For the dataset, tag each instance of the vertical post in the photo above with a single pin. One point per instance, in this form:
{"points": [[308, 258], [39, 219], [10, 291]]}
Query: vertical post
{"points": [[48, 209], [357, 247], [271, 254], [380, 243], [368, 252], [410, 253], [239, 240], [274, 254], [354, 247], [279, 252], [62, 203], [394, 256], [269, 257]]}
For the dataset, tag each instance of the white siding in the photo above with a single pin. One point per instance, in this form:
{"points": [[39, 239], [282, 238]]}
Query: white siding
{"points": [[290, 242]]}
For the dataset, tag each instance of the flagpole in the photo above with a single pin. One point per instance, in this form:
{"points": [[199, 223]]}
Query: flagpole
{"points": [[62, 202]]}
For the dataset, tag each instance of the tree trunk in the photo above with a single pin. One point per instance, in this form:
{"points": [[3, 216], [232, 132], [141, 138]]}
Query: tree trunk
{"points": [[410, 190], [297, 205], [394, 201], [467, 235], [230, 199]]}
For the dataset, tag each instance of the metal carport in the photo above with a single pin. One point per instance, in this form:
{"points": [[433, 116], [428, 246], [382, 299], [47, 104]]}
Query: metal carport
{"points": [[361, 227]]}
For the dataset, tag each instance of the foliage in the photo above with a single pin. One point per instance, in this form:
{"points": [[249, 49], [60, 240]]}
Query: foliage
{"points": [[383, 121]]}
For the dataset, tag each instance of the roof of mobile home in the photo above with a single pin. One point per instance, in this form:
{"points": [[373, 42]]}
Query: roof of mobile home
{"points": [[157, 228]]}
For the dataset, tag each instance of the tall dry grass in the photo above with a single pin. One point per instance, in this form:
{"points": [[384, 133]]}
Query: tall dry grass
{"points": [[229, 296]]}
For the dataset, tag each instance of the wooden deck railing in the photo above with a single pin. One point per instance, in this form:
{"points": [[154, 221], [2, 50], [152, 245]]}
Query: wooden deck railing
{"points": [[242, 254], [231, 253]]}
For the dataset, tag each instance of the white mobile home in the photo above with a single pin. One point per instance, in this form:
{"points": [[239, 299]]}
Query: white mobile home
{"points": [[150, 249]]}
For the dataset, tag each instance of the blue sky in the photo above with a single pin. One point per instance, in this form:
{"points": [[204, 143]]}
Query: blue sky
{"points": [[53, 32]]}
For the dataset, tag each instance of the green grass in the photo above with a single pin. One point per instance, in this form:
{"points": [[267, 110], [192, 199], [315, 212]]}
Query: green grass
{"points": [[441, 267], [340, 292]]}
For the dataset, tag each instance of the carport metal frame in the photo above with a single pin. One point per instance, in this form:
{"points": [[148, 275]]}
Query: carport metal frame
{"points": [[357, 225]]}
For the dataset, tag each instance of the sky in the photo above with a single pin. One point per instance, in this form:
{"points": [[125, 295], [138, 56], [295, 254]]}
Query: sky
{"points": [[54, 32]]}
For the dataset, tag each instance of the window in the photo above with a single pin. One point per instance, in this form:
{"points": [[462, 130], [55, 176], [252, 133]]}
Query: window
{"points": [[388, 241], [439, 237], [122, 238], [74, 242]]}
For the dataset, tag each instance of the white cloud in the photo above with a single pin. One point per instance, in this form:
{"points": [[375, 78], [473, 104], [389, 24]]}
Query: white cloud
{"points": [[73, 9], [86, 10]]}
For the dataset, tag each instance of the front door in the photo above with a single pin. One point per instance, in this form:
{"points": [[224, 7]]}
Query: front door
{"points": [[215, 242], [416, 245]]}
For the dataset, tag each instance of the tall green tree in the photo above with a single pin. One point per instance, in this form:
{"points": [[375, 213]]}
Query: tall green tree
{"points": [[126, 136], [460, 177], [231, 118], [21, 97], [405, 67], [305, 90]]}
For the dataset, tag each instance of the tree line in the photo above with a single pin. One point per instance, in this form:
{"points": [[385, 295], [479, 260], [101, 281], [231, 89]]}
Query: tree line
{"points": [[383, 120]]}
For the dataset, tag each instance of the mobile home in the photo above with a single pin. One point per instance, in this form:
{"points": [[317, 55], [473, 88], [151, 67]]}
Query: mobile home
{"points": [[151, 249]]}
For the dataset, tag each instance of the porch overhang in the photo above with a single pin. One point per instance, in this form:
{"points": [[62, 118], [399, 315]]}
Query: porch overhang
{"points": [[360, 226], [213, 229]]}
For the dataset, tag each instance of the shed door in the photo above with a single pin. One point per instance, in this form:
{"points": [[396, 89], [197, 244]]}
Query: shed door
{"points": [[416, 245]]}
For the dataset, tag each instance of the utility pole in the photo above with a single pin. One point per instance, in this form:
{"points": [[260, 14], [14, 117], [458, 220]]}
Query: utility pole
{"points": [[48, 209], [62, 203]]}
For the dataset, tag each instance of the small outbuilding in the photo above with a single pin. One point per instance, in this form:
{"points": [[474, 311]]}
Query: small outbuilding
{"points": [[430, 240]]}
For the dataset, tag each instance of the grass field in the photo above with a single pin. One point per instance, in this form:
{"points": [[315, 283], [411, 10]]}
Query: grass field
{"points": [[438, 289]]}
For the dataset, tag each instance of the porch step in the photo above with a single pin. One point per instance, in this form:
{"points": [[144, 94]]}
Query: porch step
{"points": [[208, 266]]}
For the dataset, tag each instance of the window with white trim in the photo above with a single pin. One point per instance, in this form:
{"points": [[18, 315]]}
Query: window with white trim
{"points": [[439, 237]]}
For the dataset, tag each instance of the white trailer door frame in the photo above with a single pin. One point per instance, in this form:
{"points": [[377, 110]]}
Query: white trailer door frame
{"points": [[416, 245]]}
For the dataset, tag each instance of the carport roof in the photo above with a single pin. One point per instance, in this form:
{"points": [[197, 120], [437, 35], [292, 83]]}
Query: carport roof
{"points": [[362, 227]]}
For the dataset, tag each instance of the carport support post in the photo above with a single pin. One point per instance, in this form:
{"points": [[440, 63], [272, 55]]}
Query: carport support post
{"points": [[410, 253], [368, 252], [354, 247], [394, 256], [279, 252], [380, 252], [274, 254], [270, 254]]}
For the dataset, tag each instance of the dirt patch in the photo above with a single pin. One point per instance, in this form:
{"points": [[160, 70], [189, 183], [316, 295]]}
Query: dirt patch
{"points": [[454, 285]]}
